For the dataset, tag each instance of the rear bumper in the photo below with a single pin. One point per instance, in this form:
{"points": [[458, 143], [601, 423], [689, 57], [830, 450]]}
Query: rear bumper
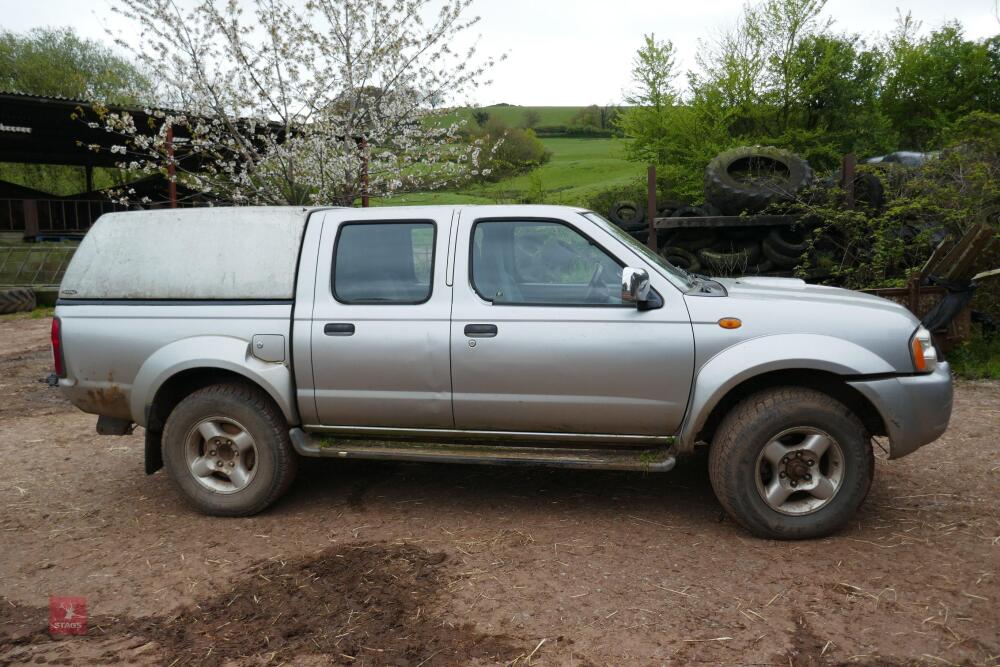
{"points": [[915, 408]]}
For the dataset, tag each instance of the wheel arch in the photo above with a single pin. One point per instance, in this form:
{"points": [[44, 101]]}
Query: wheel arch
{"points": [[176, 370], [822, 362], [831, 384]]}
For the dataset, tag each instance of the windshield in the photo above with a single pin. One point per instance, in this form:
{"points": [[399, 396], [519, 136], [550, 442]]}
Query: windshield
{"points": [[640, 248]]}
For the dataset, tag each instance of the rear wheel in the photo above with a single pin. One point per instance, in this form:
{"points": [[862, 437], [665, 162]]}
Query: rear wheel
{"points": [[791, 463], [226, 449]]}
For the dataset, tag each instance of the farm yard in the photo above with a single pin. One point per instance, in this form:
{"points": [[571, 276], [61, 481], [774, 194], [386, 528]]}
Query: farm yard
{"points": [[410, 564]]}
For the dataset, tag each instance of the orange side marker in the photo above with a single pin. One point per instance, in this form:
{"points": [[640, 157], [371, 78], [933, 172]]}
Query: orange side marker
{"points": [[730, 323]]}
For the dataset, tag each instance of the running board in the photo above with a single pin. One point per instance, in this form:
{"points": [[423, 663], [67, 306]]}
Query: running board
{"points": [[655, 459]]}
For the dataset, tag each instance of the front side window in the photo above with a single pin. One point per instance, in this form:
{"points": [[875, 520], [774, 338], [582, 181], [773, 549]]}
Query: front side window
{"points": [[383, 262], [530, 262]]}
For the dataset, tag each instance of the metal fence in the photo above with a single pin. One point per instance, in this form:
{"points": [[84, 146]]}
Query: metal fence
{"points": [[52, 216], [33, 266]]}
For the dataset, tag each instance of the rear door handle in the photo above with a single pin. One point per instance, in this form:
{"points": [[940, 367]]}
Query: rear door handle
{"points": [[339, 329], [480, 330]]}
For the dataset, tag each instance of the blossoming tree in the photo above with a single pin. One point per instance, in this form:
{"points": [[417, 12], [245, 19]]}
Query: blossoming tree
{"points": [[316, 102]]}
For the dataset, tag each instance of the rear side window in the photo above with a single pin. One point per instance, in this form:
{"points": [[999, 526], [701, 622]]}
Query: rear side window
{"points": [[384, 262]]}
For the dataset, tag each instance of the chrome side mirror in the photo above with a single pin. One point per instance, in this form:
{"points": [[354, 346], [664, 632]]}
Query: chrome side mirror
{"points": [[635, 286]]}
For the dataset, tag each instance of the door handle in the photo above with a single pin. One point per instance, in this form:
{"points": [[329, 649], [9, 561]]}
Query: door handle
{"points": [[480, 330], [339, 329]]}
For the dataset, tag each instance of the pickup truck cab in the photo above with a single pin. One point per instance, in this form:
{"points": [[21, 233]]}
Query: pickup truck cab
{"points": [[243, 338]]}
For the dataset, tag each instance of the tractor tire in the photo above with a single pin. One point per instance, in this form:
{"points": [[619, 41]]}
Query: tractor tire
{"points": [[681, 258], [751, 178], [627, 215], [17, 300]]}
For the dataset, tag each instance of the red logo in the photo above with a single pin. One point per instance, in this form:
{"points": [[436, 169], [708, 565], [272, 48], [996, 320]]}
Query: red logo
{"points": [[67, 616]]}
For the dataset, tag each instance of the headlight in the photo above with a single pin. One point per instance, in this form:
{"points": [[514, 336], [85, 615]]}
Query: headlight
{"points": [[923, 352]]}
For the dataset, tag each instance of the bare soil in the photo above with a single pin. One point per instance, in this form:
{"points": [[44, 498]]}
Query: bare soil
{"points": [[406, 564]]}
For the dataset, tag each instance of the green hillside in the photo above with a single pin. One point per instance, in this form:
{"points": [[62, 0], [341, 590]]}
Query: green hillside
{"points": [[578, 168]]}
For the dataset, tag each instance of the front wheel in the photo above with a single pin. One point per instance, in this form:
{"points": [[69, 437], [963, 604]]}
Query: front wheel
{"points": [[226, 448], [791, 463]]}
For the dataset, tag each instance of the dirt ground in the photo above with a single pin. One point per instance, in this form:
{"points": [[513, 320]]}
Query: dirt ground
{"points": [[406, 564]]}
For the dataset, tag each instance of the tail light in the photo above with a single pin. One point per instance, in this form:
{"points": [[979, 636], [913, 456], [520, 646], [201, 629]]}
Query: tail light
{"points": [[57, 351]]}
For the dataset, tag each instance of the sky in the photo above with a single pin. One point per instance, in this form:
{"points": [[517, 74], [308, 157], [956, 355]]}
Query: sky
{"points": [[574, 52]]}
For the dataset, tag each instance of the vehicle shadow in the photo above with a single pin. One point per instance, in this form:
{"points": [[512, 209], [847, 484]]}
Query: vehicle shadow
{"points": [[361, 486]]}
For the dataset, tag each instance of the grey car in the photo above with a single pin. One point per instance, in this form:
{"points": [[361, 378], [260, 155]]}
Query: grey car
{"points": [[241, 339]]}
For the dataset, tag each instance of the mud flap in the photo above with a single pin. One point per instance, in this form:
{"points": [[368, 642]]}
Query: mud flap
{"points": [[154, 452]]}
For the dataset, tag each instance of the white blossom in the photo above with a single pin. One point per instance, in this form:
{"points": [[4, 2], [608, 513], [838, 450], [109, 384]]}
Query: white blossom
{"points": [[286, 102]]}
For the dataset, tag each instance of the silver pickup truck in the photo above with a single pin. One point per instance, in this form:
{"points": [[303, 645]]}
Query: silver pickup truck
{"points": [[243, 338]]}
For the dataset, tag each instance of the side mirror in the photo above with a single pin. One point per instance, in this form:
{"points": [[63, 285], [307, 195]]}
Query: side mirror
{"points": [[635, 286]]}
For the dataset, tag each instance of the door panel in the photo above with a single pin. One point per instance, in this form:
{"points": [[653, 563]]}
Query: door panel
{"points": [[380, 354], [568, 368]]}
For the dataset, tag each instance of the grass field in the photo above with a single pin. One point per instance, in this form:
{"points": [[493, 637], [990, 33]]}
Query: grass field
{"points": [[578, 168]]}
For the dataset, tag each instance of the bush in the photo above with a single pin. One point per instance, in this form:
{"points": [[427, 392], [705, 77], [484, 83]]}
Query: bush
{"points": [[519, 149]]}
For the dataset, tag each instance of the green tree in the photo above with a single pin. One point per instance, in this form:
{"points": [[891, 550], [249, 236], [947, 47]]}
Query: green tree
{"points": [[653, 74], [587, 118], [531, 119], [935, 80], [57, 62]]}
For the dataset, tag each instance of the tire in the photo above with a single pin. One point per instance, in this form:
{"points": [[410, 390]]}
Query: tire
{"points": [[869, 192], [740, 471], [627, 215], [788, 241], [735, 261], [17, 300], [665, 209], [761, 268], [273, 463], [778, 258], [693, 240], [749, 179], [681, 258], [688, 211]]}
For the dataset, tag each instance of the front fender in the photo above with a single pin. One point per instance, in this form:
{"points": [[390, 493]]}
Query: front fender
{"points": [[766, 354], [222, 352]]}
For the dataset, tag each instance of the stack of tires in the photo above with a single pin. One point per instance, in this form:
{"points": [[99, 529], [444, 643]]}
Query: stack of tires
{"points": [[739, 181]]}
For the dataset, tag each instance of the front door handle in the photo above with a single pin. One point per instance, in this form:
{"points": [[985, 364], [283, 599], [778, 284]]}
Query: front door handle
{"points": [[339, 329], [480, 330]]}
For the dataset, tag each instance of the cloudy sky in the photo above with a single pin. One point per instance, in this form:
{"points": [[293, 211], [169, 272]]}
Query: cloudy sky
{"points": [[575, 52]]}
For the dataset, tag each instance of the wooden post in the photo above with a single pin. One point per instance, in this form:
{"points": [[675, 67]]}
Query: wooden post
{"points": [[847, 178], [651, 207], [30, 219], [89, 174], [171, 170]]}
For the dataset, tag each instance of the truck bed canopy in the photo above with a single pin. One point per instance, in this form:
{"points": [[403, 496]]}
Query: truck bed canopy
{"points": [[197, 253]]}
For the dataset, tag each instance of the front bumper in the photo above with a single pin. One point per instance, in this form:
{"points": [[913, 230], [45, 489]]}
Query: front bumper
{"points": [[915, 408]]}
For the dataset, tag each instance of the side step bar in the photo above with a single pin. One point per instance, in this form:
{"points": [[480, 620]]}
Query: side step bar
{"points": [[657, 459]]}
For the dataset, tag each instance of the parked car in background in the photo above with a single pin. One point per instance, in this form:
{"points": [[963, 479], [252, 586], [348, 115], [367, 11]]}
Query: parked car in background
{"points": [[241, 339]]}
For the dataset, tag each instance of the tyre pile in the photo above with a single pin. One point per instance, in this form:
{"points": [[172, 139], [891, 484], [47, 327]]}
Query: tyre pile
{"points": [[739, 181]]}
